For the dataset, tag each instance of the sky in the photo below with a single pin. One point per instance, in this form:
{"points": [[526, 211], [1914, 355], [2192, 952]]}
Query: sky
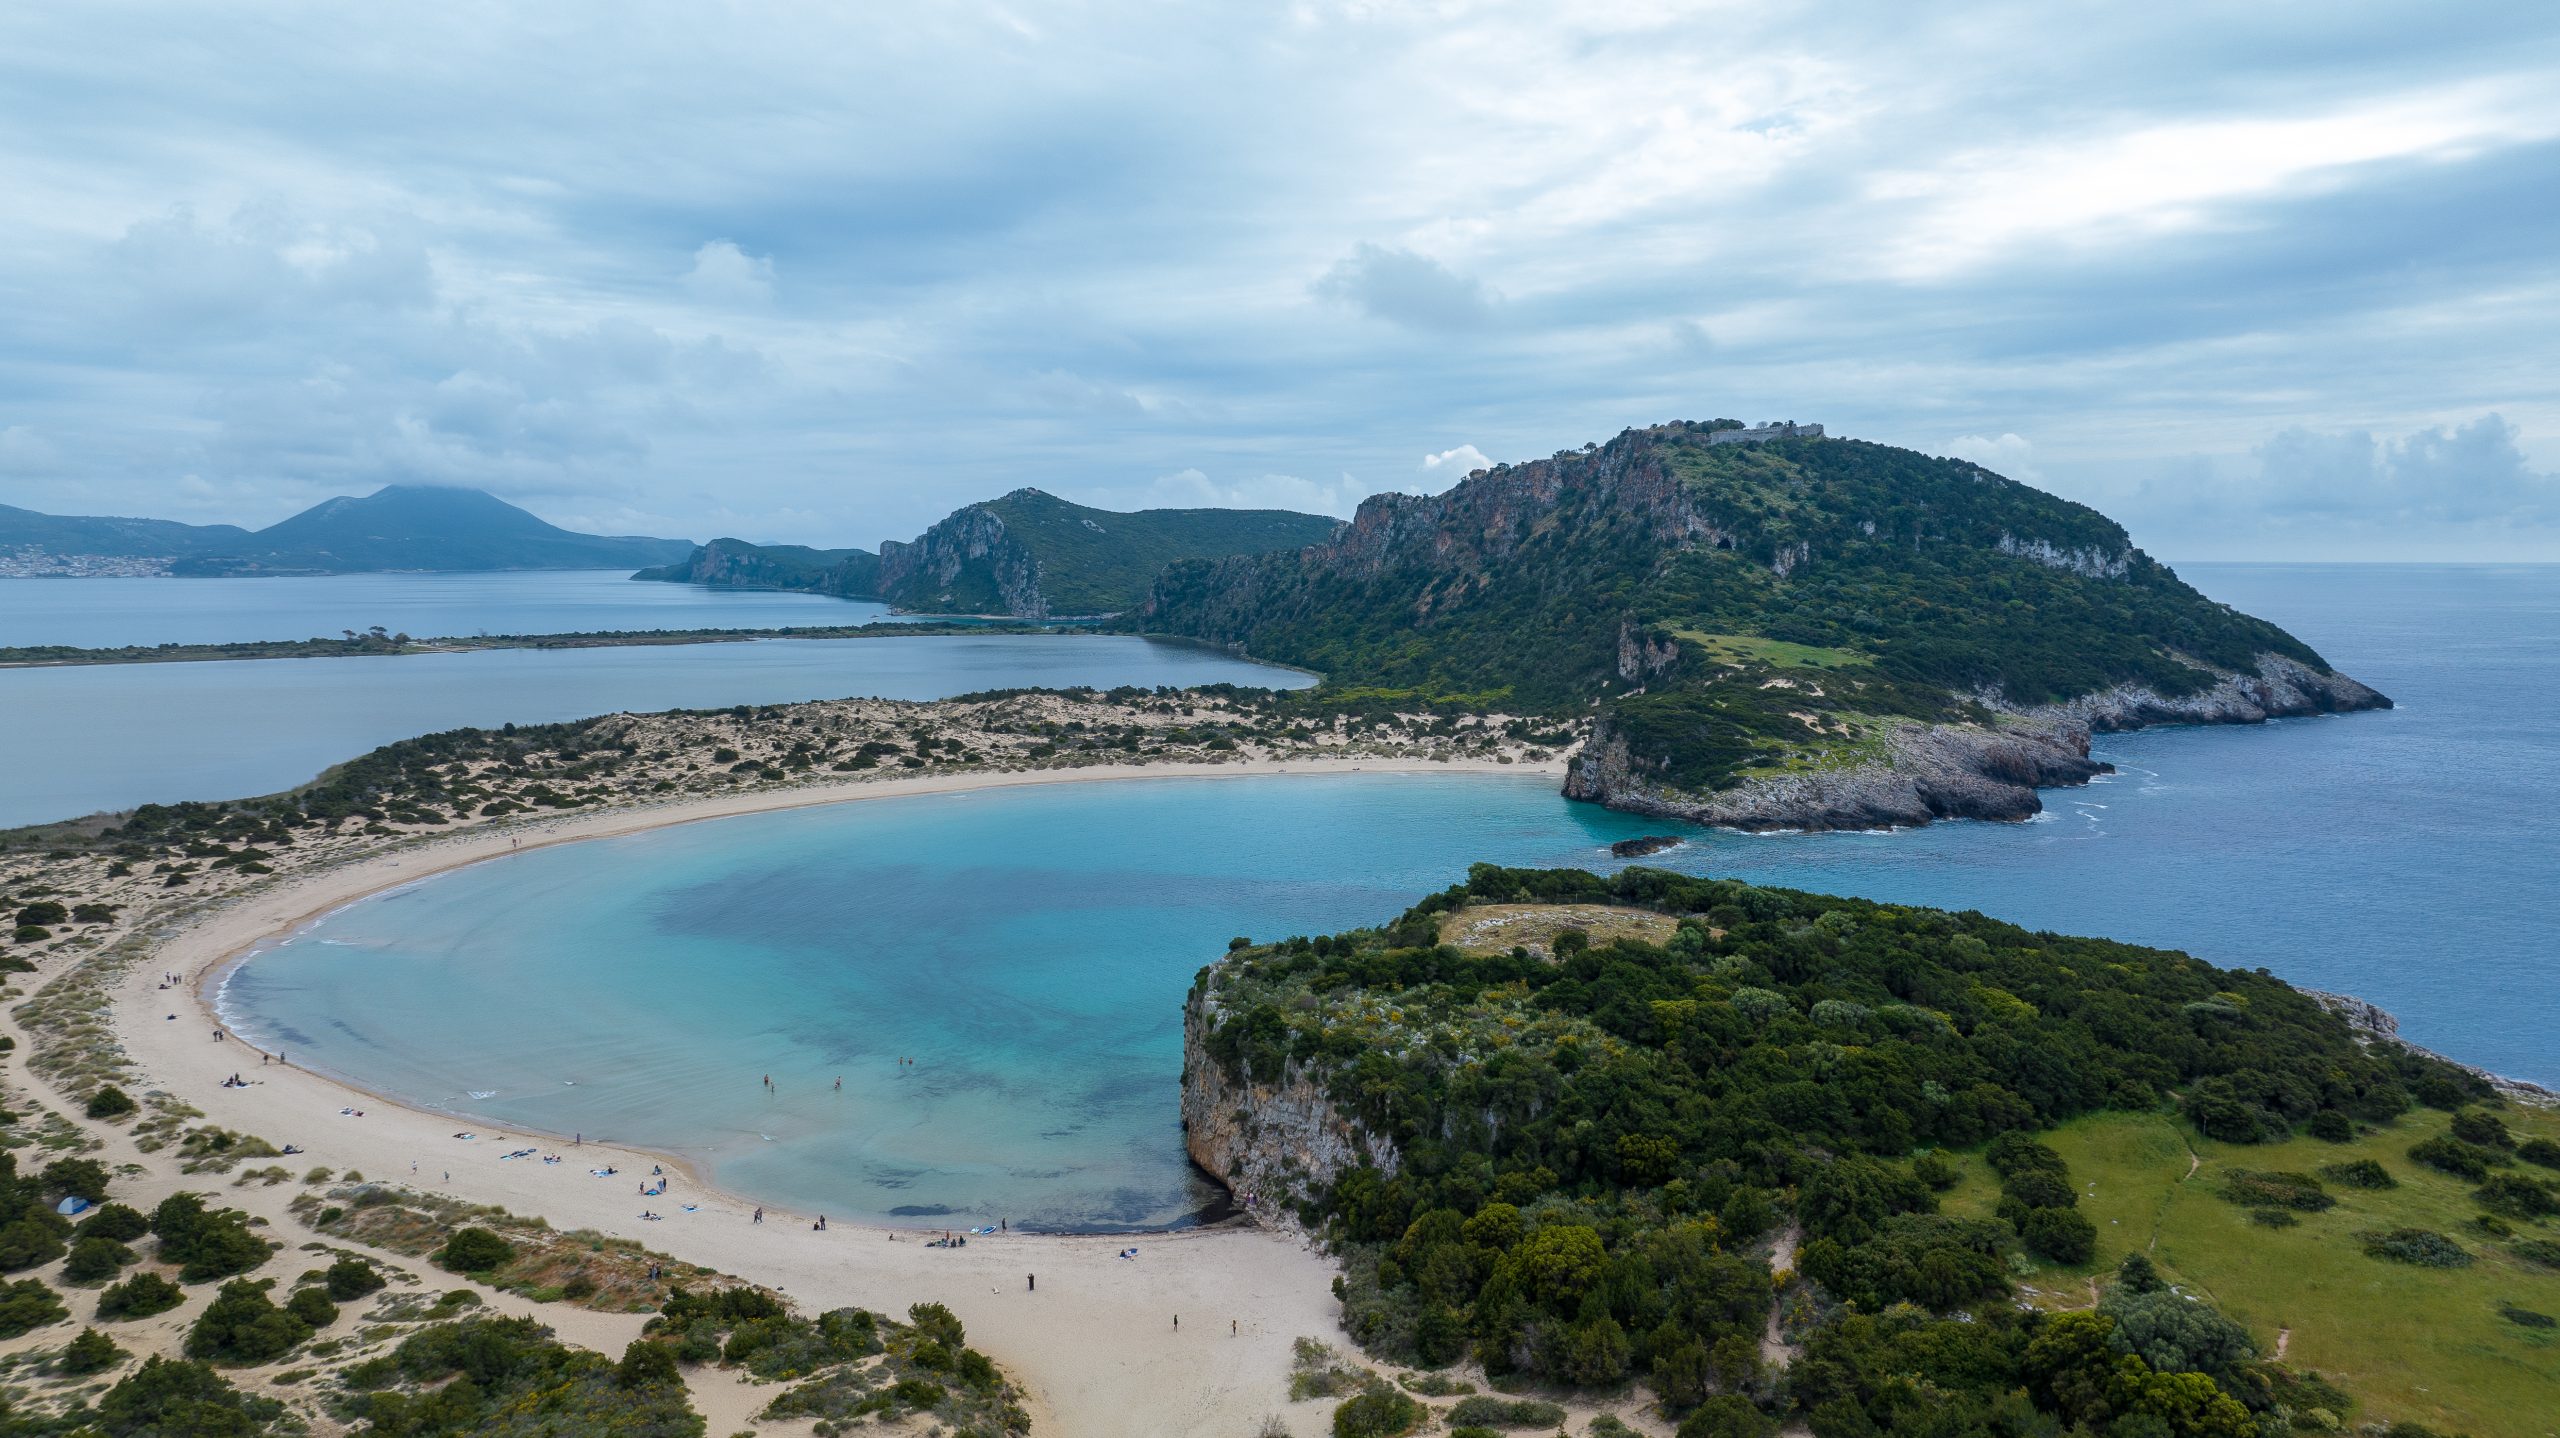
{"points": [[2271, 282]]}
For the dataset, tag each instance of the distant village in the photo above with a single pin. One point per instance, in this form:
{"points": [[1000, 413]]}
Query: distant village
{"points": [[32, 562]]}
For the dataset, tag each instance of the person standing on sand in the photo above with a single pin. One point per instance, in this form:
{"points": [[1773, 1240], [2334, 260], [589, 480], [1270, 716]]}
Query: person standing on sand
{"points": [[1031, 1283]]}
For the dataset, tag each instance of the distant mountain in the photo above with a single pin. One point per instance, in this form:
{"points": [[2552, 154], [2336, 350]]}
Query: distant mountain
{"points": [[1763, 628], [68, 534], [425, 527], [1029, 554]]}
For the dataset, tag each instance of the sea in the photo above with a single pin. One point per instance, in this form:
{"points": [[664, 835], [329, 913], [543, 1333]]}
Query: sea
{"points": [[1029, 949]]}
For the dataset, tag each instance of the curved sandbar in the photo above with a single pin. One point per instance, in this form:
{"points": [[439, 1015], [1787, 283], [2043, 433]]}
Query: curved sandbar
{"points": [[1094, 1345]]}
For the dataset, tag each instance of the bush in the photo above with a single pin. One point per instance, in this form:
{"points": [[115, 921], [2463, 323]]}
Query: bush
{"points": [[140, 1296], [164, 1396], [2516, 1196], [95, 1260], [116, 1221], [2014, 1153], [1379, 1412], [2421, 1246], [312, 1306], [1486, 1411], [351, 1278], [2298, 1191], [110, 1102], [1725, 1416], [2362, 1173], [91, 1352], [2526, 1317], [241, 1326], [74, 1178], [2331, 1126], [2474, 1126], [2453, 1156], [2273, 1218], [2540, 1252], [1933, 1169], [28, 1243], [647, 1365], [474, 1250], [2064, 1235], [28, 1305]]}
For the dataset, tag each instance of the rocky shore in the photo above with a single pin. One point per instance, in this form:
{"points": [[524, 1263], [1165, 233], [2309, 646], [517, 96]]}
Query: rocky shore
{"points": [[2373, 1023], [1950, 771], [1277, 1142]]}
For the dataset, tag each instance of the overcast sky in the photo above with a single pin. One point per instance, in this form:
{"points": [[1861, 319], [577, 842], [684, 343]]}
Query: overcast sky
{"points": [[2276, 281]]}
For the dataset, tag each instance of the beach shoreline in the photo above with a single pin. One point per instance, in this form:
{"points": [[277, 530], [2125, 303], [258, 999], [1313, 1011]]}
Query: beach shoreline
{"points": [[1073, 1343]]}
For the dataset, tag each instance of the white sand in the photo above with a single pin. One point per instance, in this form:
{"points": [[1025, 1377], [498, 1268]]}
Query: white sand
{"points": [[1095, 1346]]}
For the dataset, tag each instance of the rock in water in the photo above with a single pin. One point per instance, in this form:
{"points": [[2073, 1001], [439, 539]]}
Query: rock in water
{"points": [[1637, 848]]}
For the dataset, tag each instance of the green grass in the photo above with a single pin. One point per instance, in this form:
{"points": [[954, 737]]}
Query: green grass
{"points": [[1777, 653], [2409, 1343]]}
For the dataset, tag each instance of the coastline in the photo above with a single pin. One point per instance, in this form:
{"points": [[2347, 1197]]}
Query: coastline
{"points": [[1068, 1343]]}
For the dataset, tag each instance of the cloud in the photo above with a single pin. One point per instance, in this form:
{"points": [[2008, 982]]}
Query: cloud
{"points": [[1456, 463], [2463, 475], [723, 274], [1192, 488], [1405, 288], [2008, 455]]}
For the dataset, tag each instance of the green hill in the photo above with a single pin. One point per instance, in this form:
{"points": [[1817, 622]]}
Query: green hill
{"points": [[112, 538], [1029, 554], [1579, 1164], [1799, 632]]}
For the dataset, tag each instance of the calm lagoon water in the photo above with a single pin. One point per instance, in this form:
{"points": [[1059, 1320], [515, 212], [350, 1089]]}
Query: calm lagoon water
{"points": [[87, 738], [1031, 948], [101, 613]]}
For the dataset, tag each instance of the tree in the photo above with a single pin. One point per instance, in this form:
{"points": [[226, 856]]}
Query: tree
{"points": [[351, 1278], [140, 1296], [2174, 1335], [28, 1305], [75, 1178], [242, 1326], [91, 1352], [164, 1398], [114, 1220], [28, 1242], [1726, 1416], [647, 1364], [109, 1102], [95, 1260], [312, 1306], [2064, 1235]]}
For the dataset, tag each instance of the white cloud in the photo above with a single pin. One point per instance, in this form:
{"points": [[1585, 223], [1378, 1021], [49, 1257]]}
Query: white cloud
{"points": [[2007, 455], [723, 274], [1192, 488], [1456, 463], [1405, 288]]}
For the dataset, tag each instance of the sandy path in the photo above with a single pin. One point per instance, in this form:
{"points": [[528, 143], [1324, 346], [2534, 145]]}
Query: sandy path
{"points": [[1095, 1345]]}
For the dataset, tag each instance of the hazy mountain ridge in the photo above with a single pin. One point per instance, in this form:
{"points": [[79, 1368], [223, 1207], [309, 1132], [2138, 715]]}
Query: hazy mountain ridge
{"points": [[1028, 554], [398, 527], [1800, 632]]}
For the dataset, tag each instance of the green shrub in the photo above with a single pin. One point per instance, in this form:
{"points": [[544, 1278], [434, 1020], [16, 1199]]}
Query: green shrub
{"points": [[351, 1278], [2273, 1218], [95, 1260], [2539, 1151], [2298, 1191], [2421, 1246], [2473, 1126], [110, 1102], [2331, 1126], [91, 1352], [205, 1244], [140, 1296], [28, 1305], [2064, 1235], [2453, 1156], [1726, 1416], [2526, 1317], [116, 1221], [166, 1397], [474, 1250], [242, 1326], [2516, 1196], [1377, 1412], [919, 1394], [2540, 1252], [312, 1306], [74, 1178], [1487, 1411], [2361, 1173], [1933, 1169], [28, 1243]]}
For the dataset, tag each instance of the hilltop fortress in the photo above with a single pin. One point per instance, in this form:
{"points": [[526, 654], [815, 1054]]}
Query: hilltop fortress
{"points": [[1774, 429]]}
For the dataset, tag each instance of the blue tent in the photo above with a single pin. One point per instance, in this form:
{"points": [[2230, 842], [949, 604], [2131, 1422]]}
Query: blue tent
{"points": [[72, 1205]]}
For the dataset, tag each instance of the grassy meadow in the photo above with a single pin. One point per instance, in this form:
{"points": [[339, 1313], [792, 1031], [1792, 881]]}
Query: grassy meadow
{"points": [[2429, 1344]]}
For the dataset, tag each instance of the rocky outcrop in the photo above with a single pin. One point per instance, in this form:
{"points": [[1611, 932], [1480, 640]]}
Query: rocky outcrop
{"points": [[967, 563], [736, 564], [1959, 771], [1282, 1142], [2373, 1024]]}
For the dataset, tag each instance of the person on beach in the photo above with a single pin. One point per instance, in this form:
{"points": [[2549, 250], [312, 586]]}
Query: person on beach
{"points": [[759, 1215], [1031, 1282]]}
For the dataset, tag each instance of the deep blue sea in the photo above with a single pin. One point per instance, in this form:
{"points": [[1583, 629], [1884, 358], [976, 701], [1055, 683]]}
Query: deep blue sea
{"points": [[1031, 948], [101, 613]]}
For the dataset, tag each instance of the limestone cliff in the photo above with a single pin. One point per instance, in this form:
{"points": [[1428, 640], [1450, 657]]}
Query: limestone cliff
{"points": [[1963, 771], [1282, 1141]]}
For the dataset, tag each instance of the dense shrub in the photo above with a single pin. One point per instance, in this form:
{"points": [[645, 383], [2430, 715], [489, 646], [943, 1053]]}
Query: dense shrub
{"points": [[312, 1306], [2474, 1126], [205, 1244], [2540, 1252], [2064, 1235], [74, 1178], [2539, 1151], [1377, 1412], [2453, 1156], [165, 1398], [509, 1375], [352, 1278], [2516, 1196], [95, 1260], [28, 1305], [474, 1250], [91, 1352], [116, 1221], [2331, 1126], [2359, 1173], [109, 1102], [2423, 1247], [242, 1326], [140, 1296], [2298, 1191], [1485, 1411]]}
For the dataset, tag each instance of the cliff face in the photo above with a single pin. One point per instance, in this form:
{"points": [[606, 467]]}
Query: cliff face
{"points": [[968, 563], [1282, 1142], [2372, 1024], [1952, 771]]}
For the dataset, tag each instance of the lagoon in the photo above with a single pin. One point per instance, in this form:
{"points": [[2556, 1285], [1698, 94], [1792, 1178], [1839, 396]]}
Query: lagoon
{"points": [[88, 738]]}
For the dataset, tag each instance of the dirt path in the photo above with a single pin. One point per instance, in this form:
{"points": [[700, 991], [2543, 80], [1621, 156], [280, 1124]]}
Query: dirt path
{"points": [[1775, 1350]]}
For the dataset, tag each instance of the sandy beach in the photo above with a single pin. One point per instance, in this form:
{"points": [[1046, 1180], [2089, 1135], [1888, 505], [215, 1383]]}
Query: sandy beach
{"points": [[1096, 1345]]}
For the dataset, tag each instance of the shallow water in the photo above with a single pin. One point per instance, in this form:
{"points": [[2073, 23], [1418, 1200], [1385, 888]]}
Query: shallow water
{"points": [[100, 613]]}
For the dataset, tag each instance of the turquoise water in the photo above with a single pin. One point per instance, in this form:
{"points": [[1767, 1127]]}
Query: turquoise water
{"points": [[115, 735], [1031, 948], [100, 613], [1028, 949]]}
